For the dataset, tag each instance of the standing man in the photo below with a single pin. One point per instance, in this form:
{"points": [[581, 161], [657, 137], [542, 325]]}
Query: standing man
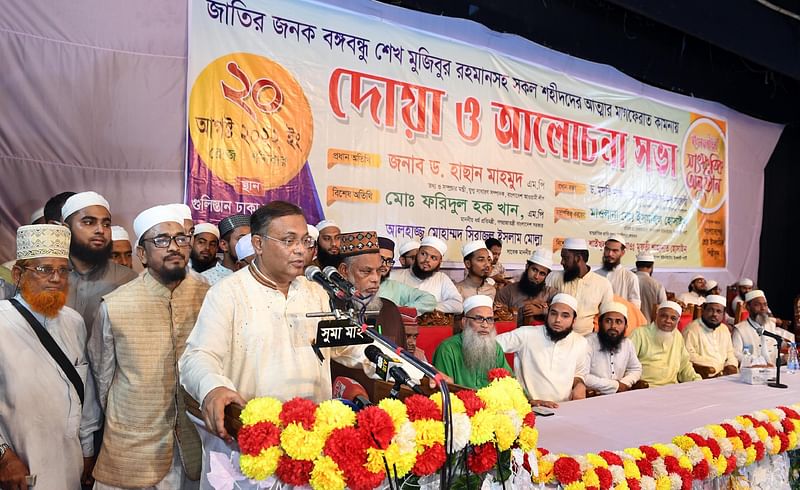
{"points": [[467, 357], [141, 333], [48, 407], [245, 251], [204, 247], [748, 333], [397, 292], [530, 296], [695, 295], [498, 272], [425, 275], [624, 283], [231, 230], [328, 243], [478, 263], [408, 253], [710, 347], [121, 249], [651, 292], [579, 281], [613, 365], [88, 217], [743, 287], [661, 350]]}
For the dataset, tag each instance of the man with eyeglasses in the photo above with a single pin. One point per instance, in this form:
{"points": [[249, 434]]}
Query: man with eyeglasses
{"points": [[397, 292], [252, 336], [468, 357], [551, 362], [425, 275], [88, 217], [141, 332], [48, 407]]}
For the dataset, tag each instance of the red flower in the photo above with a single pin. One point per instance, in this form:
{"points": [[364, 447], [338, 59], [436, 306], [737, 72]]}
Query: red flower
{"points": [[377, 425], [482, 458], [713, 445], [633, 484], [544, 452], [471, 401], [671, 463], [649, 452], [784, 441], [745, 437], [430, 460], [611, 458], [294, 471], [787, 425], [790, 413], [299, 410], [605, 477], [345, 445], [697, 438], [529, 420], [497, 373], [567, 470], [730, 431], [686, 479], [359, 478], [253, 438], [526, 463], [759, 446], [700, 470], [731, 464], [645, 468], [420, 407], [770, 429]]}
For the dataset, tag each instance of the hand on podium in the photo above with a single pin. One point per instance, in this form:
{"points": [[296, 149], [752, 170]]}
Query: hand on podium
{"points": [[214, 410]]}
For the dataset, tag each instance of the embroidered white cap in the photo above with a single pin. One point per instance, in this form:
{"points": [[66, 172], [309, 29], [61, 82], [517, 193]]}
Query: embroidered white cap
{"points": [[477, 300], [437, 243], [82, 200], [756, 293], [206, 228], [40, 241], [617, 238], [150, 217], [119, 234], [565, 299], [470, 247], [543, 257], [746, 282], [327, 223], [407, 247]]}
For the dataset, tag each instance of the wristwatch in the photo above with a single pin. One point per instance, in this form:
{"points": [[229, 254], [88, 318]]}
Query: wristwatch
{"points": [[3, 448]]}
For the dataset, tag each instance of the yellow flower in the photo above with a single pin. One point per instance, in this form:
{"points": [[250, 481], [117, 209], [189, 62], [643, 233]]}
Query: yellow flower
{"points": [[590, 478], [792, 440], [663, 483], [482, 427], [576, 485], [722, 464], [737, 443], [505, 432], [762, 434], [707, 454], [528, 437], [545, 472], [716, 430], [745, 422], [796, 424], [751, 455], [683, 442], [264, 409], [396, 460], [396, 410], [631, 470], [300, 443], [770, 415], [623, 485], [326, 475], [635, 452], [429, 432], [456, 405], [333, 414], [262, 466], [662, 449], [596, 460], [684, 462], [776, 445]]}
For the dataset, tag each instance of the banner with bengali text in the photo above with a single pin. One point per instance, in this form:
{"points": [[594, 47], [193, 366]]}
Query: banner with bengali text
{"points": [[379, 126]]}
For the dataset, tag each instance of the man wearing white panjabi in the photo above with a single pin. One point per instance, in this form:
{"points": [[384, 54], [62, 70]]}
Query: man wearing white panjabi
{"points": [[749, 333], [613, 365], [425, 275], [624, 283], [48, 408]]}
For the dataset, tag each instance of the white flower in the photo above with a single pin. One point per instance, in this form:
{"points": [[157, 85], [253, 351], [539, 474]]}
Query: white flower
{"points": [[741, 458], [703, 432], [695, 455], [647, 483], [659, 468], [726, 446], [617, 473], [461, 431], [760, 416], [406, 438], [583, 462], [675, 482], [516, 420]]}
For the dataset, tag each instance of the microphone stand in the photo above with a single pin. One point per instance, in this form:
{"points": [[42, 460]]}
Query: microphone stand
{"points": [[777, 383]]}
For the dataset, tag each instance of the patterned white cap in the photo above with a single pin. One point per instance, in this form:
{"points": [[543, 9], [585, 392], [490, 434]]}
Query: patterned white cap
{"points": [[244, 247], [326, 223], [119, 234], [37, 241], [696, 277], [671, 305], [745, 282], [575, 244], [614, 306], [407, 247], [470, 247], [716, 299], [543, 257], [437, 243], [82, 200], [206, 228], [313, 232], [477, 300], [566, 299], [152, 216], [756, 293]]}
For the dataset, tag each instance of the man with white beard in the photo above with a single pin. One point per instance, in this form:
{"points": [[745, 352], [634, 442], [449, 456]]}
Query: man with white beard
{"points": [[748, 334], [551, 362], [661, 350], [467, 357]]}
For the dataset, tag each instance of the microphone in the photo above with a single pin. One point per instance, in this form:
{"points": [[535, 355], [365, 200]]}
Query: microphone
{"points": [[390, 369], [351, 390], [401, 376], [314, 274], [332, 275]]}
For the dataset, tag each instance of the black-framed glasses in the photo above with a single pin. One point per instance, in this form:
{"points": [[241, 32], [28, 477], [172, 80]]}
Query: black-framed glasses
{"points": [[291, 242], [489, 320], [46, 272], [164, 241], [389, 261]]}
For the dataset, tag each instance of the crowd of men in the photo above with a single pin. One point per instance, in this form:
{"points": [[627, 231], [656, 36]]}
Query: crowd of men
{"points": [[95, 357]]}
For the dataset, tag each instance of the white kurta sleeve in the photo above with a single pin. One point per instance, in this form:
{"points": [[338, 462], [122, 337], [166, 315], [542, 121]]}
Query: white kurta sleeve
{"points": [[201, 365], [738, 345], [583, 364], [634, 294], [633, 371], [102, 355], [513, 341], [605, 386], [91, 416], [730, 356], [451, 302]]}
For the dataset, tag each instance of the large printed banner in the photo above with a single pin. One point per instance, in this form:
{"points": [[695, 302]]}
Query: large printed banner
{"points": [[379, 126]]}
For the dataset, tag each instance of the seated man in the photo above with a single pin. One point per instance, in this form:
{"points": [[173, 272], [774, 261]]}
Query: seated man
{"points": [[747, 334], [744, 286], [426, 275], [467, 357], [695, 295], [408, 253], [710, 347], [412, 333], [613, 365], [530, 295], [478, 264], [661, 351], [551, 362], [397, 292]]}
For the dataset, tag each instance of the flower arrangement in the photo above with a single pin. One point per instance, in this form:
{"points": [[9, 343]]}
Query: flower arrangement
{"points": [[329, 447]]}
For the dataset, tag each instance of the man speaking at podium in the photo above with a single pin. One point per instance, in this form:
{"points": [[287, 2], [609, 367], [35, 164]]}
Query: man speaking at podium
{"points": [[252, 337]]}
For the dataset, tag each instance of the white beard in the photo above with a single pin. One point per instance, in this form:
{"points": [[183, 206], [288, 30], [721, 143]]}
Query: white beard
{"points": [[480, 352], [664, 337]]}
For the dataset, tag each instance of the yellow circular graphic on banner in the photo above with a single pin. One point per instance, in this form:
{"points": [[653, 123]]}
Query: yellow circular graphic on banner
{"points": [[250, 122], [704, 165]]}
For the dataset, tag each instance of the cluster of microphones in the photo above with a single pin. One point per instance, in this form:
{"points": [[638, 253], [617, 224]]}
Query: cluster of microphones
{"points": [[334, 283], [354, 395]]}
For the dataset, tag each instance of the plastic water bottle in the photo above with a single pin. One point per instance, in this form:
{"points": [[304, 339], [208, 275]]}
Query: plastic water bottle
{"points": [[747, 356], [792, 363]]}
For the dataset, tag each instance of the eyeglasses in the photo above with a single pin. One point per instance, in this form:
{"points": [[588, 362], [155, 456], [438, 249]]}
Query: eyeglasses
{"points": [[164, 241], [46, 272], [291, 242], [480, 320], [389, 262]]}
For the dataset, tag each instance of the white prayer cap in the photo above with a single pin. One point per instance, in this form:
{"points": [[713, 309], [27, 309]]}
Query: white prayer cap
{"points": [[614, 306], [206, 228], [745, 282], [565, 299], [152, 216], [756, 293], [543, 257], [326, 223], [119, 233], [407, 247], [477, 300], [671, 305], [711, 285], [38, 241], [645, 257], [437, 243], [182, 210], [82, 200], [616, 238], [313, 232], [471, 247], [244, 247], [39, 213], [716, 299], [575, 244], [696, 277]]}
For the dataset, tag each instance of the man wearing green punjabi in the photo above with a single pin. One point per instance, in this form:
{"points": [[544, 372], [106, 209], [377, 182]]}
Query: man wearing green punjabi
{"points": [[469, 356]]}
